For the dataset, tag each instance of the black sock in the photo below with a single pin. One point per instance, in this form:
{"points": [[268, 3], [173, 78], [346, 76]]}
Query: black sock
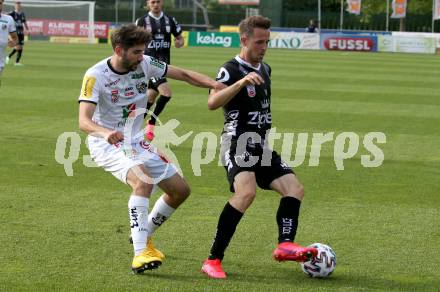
{"points": [[12, 53], [287, 218], [227, 223], [18, 56], [149, 104], [160, 105]]}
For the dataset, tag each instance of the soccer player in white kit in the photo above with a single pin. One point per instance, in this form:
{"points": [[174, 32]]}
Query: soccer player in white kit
{"points": [[7, 28], [111, 110]]}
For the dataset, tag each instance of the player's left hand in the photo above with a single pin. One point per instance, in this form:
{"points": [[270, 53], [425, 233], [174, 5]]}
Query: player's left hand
{"points": [[179, 42], [252, 78]]}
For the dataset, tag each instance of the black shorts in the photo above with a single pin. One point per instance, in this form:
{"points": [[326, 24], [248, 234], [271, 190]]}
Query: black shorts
{"points": [[268, 165], [155, 82], [20, 39]]}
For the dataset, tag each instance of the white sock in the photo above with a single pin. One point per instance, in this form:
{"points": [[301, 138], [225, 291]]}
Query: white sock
{"points": [[160, 213], [138, 213]]}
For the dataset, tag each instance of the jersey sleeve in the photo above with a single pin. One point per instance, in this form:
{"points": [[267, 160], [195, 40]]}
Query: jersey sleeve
{"points": [[24, 17], [11, 26], [140, 22], [176, 29], [90, 88], [155, 68], [226, 75]]}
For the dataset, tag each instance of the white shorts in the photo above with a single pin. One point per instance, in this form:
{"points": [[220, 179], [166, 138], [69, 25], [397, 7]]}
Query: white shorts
{"points": [[118, 159]]}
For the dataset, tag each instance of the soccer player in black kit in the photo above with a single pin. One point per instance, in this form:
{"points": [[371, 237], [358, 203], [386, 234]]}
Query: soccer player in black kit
{"points": [[161, 26], [247, 159], [20, 25]]}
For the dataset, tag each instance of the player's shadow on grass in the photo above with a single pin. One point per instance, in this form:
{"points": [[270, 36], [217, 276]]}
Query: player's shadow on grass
{"points": [[166, 276], [344, 281]]}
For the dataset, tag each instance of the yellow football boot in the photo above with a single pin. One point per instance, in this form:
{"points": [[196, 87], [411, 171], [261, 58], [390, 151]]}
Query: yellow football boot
{"points": [[149, 259], [153, 250]]}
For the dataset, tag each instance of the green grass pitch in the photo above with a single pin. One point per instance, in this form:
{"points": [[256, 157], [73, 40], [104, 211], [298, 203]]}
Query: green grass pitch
{"points": [[70, 233]]}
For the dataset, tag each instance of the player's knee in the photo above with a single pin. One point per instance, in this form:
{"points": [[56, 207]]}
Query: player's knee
{"points": [[165, 92], [299, 191], [152, 98], [184, 191], [142, 188], [248, 196]]}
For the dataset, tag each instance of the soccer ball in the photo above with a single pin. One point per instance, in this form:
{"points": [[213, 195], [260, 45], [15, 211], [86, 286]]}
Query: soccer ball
{"points": [[323, 264]]}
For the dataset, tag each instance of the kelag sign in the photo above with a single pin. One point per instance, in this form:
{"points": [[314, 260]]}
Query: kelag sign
{"points": [[213, 39], [343, 42]]}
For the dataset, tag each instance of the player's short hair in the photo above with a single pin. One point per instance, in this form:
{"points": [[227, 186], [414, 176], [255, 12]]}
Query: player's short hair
{"points": [[130, 35], [247, 25]]}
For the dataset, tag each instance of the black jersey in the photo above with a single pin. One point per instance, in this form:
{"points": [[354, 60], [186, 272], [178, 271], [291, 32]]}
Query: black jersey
{"points": [[20, 20], [161, 29], [249, 110]]}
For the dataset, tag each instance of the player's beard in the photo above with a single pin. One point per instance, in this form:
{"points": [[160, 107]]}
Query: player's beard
{"points": [[129, 65], [258, 58]]}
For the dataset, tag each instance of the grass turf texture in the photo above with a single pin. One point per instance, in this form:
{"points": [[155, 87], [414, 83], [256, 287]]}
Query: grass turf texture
{"points": [[60, 232]]}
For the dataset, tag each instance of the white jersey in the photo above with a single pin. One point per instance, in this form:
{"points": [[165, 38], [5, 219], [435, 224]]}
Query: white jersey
{"points": [[7, 25], [120, 97]]}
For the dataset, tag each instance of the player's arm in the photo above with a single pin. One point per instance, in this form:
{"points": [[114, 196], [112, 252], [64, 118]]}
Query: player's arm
{"points": [[13, 39], [218, 98], [192, 77], [26, 27], [87, 125], [176, 30]]}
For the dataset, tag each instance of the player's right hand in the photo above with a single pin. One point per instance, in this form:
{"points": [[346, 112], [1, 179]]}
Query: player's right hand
{"points": [[114, 137], [252, 78]]}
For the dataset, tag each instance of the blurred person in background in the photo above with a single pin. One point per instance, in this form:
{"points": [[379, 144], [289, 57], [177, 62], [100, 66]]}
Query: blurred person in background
{"points": [[161, 26]]}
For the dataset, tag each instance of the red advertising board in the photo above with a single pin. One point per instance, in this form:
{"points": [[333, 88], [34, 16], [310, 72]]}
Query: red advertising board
{"points": [[348, 43], [51, 27]]}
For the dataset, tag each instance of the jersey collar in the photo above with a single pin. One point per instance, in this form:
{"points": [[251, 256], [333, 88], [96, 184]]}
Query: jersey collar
{"points": [[243, 62], [113, 69], [152, 15]]}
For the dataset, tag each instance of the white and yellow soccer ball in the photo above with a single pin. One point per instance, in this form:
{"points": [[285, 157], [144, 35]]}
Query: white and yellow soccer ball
{"points": [[323, 264]]}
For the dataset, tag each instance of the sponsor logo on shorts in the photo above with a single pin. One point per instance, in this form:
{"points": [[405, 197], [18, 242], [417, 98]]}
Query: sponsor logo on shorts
{"points": [[145, 145]]}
